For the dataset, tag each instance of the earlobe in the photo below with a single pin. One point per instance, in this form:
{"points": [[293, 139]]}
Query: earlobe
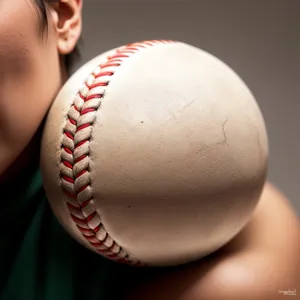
{"points": [[68, 24], [65, 46], [66, 43]]}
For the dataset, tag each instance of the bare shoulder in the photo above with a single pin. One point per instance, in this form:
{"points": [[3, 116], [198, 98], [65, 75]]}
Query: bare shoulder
{"points": [[261, 263]]}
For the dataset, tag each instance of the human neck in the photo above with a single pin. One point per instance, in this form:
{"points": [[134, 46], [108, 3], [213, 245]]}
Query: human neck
{"points": [[28, 159]]}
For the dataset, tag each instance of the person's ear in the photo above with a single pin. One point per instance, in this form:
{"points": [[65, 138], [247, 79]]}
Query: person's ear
{"points": [[66, 15]]}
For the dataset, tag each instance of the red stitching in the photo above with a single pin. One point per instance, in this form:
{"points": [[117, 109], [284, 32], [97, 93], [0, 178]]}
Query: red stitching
{"points": [[69, 135], [73, 196], [81, 96], [80, 158], [69, 151], [82, 222], [85, 203], [68, 179], [113, 61], [81, 143], [118, 56], [82, 188], [96, 244], [96, 85], [99, 84], [78, 220], [85, 230], [81, 173], [90, 217], [83, 126], [125, 51], [87, 110], [109, 65], [73, 122], [93, 97], [132, 48], [97, 229], [102, 74], [72, 206], [90, 238], [67, 164]]}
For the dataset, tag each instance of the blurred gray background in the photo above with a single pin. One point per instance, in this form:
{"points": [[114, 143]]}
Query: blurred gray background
{"points": [[260, 40]]}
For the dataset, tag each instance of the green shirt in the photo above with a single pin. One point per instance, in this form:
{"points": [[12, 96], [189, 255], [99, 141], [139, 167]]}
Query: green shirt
{"points": [[39, 260]]}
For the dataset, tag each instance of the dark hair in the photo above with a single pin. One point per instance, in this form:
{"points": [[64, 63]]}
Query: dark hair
{"points": [[42, 9]]}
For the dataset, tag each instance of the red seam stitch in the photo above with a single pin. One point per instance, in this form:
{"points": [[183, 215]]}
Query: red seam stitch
{"points": [[102, 74], [69, 151], [84, 230], [93, 97], [67, 164], [73, 196], [98, 85], [81, 143], [85, 203], [73, 122], [82, 188], [81, 127], [96, 244], [81, 173], [126, 51], [133, 48], [77, 220], [69, 135], [114, 60], [118, 56], [91, 216], [87, 110], [97, 228], [140, 46], [72, 206], [90, 238], [90, 234], [109, 65], [81, 96], [80, 158], [66, 178]]}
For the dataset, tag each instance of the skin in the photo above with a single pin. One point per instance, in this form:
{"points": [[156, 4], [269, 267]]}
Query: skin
{"points": [[27, 57], [261, 260]]}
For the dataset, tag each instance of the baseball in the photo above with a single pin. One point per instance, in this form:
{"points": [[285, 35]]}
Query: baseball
{"points": [[154, 153]]}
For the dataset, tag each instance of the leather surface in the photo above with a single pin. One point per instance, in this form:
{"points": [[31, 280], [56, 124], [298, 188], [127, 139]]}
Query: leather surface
{"points": [[178, 155]]}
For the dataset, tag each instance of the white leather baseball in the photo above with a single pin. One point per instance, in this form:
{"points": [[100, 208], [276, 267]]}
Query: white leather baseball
{"points": [[154, 153]]}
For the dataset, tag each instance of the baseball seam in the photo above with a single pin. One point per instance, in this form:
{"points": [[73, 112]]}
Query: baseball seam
{"points": [[75, 154]]}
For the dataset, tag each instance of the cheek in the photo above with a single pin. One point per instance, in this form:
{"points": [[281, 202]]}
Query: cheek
{"points": [[29, 79]]}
